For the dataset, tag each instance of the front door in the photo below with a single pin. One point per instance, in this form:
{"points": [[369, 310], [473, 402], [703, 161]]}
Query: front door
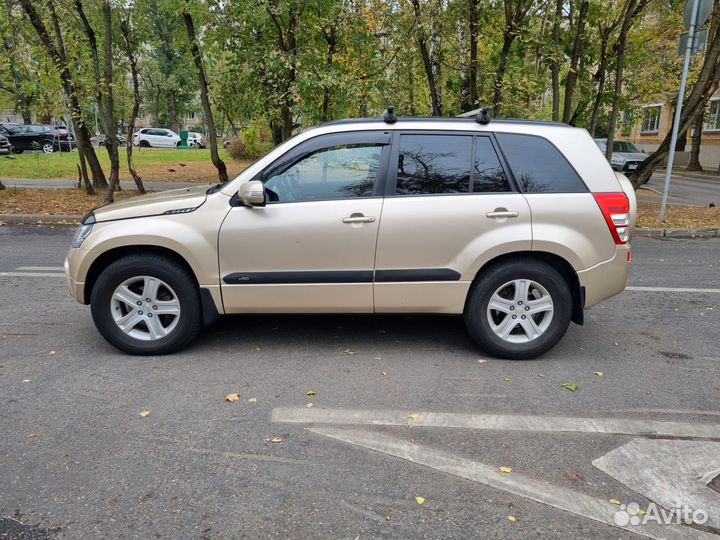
{"points": [[312, 247]]}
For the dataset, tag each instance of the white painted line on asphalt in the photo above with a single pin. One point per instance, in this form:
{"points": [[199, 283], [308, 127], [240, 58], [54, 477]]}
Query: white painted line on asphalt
{"points": [[663, 411], [673, 474], [502, 422], [32, 274], [40, 269], [672, 289], [517, 484]]}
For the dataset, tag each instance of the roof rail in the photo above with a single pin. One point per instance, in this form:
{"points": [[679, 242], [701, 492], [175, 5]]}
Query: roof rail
{"points": [[483, 116]]}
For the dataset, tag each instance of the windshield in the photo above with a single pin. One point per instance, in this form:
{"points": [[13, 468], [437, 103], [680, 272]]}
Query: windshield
{"points": [[624, 146]]}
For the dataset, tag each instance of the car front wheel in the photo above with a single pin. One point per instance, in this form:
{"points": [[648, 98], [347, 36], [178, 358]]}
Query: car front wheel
{"points": [[144, 144], [48, 147], [146, 304], [519, 309]]}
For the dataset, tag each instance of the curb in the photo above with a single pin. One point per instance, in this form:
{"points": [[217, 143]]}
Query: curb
{"points": [[39, 219], [701, 232]]}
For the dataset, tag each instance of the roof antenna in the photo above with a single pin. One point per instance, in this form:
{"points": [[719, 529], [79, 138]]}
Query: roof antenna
{"points": [[389, 117], [483, 116]]}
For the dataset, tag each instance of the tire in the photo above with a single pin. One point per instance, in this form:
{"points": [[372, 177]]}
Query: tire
{"points": [[177, 145], [18, 150], [131, 278], [48, 147], [545, 322], [144, 144]]}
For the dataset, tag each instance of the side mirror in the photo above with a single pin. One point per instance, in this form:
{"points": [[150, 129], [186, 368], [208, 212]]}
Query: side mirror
{"points": [[252, 193]]}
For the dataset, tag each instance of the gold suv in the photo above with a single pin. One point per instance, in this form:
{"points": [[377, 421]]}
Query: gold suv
{"points": [[516, 225]]}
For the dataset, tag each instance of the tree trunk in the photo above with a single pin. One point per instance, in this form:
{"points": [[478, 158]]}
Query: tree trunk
{"points": [[695, 103], [694, 163], [515, 13], [620, 66], [172, 111], [555, 64], [204, 97], [471, 74], [2, 186], [575, 61], [600, 76], [435, 99], [132, 60], [111, 138], [84, 174], [56, 51]]}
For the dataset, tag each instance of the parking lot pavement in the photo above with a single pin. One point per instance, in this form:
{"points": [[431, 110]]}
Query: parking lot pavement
{"points": [[408, 428], [684, 189]]}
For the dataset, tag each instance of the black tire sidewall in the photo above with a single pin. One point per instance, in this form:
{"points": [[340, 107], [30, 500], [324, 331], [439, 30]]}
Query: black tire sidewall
{"points": [[168, 271], [476, 317]]}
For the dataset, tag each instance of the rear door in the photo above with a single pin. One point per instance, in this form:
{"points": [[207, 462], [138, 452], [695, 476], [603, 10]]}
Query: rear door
{"points": [[312, 247], [449, 203]]}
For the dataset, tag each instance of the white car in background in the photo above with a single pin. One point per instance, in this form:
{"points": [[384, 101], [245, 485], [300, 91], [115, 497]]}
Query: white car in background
{"points": [[156, 137], [196, 140]]}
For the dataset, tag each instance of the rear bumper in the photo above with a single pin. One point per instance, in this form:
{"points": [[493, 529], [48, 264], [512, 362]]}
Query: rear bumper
{"points": [[607, 278]]}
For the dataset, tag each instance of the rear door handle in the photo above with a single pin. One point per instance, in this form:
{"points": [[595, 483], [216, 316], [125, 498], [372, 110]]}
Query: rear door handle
{"points": [[502, 213], [358, 218]]}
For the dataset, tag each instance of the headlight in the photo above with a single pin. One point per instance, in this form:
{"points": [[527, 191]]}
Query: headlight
{"points": [[81, 234], [83, 230], [617, 160]]}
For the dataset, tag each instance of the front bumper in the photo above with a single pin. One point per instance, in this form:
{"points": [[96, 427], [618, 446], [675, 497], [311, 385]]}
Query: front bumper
{"points": [[607, 278], [72, 264]]}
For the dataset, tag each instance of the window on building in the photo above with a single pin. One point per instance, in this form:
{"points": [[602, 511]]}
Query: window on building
{"points": [[713, 117], [190, 116], [651, 119]]}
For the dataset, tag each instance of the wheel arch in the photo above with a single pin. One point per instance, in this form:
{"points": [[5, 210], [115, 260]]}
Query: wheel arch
{"points": [[563, 267], [210, 310]]}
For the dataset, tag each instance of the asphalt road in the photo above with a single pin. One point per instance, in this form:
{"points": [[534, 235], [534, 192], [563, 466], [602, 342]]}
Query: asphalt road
{"points": [[78, 460], [684, 189]]}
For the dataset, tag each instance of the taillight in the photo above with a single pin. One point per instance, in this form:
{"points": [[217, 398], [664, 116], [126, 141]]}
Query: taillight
{"points": [[615, 208]]}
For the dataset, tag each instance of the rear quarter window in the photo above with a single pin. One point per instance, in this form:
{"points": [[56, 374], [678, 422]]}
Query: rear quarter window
{"points": [[538, 166]]}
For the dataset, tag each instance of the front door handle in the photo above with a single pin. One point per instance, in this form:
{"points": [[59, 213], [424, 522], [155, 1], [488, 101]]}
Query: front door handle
{"points": [[358, 218], [502, 213]]}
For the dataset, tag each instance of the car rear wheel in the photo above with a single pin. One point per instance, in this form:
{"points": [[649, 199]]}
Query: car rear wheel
{"points": [[146, 304], [519, 309], [48, 147]]}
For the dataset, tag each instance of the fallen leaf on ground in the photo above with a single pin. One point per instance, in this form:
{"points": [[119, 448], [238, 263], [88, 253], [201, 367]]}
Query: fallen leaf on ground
{"points": [[26, 380], [276, 440], [349, 351], [541, 375], [482, 361], [311, 393], [413, 416], [383, 372], [52, 353], [512, 519], [31, 435], [378, 358], [614, 501], [505, 469], [145, 413], [599, 373], [232, 397], [573, 476], [310, 405], [506, 379], [616, 343], [571, 386], [258, 349], [252, 400], [419, 500]]}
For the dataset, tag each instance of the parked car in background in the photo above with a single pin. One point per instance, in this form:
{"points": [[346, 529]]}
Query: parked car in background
{"points": [[516, 225], [121, 140], [5, 127], [5, 146], [43, 137], [626, 157], [156, 137], [196, 140]]}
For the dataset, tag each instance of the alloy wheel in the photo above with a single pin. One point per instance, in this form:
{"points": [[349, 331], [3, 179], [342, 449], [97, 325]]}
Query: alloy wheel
{"points": [[520, 311], [145, 308]]}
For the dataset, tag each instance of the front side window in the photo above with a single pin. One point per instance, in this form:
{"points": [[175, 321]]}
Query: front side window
{"points": [[434, 164], [336, 172], [651, 119], [538, 166]]}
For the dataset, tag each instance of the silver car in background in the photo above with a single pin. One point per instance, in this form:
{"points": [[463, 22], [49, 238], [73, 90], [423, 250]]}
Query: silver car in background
{"points": [[626, 157]]}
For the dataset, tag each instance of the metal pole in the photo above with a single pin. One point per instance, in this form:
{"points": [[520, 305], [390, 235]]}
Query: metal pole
{"points": [[678, 109]]}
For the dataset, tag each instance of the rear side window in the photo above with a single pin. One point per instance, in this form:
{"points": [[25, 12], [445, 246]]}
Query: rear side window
{"points": [[538, 166], [434, 164], [488, 176]]}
